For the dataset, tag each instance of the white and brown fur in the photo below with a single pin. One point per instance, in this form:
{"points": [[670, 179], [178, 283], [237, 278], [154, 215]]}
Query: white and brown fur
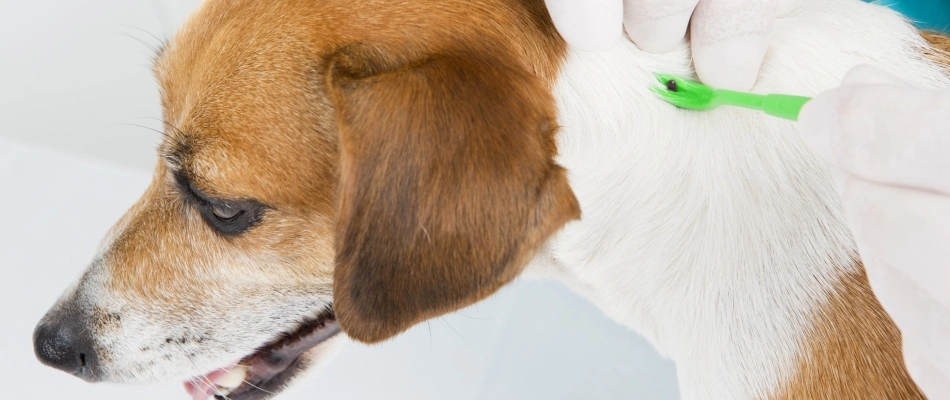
{"points": [[410, 158]]}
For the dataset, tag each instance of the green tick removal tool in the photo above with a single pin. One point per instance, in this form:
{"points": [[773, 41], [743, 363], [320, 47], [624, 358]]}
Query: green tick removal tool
{"points": [[696, 96]]}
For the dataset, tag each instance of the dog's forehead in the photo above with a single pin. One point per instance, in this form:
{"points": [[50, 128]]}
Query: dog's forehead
{"points": [[238, 58], [243, 33], [245, 109], [243, 82]]}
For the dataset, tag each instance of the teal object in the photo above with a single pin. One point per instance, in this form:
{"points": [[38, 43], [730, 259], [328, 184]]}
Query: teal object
{"points": [[931, 15], [696, 96]]}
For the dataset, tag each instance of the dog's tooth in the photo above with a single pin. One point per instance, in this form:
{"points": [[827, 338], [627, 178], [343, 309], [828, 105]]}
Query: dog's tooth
{"points": [[233, 379]]}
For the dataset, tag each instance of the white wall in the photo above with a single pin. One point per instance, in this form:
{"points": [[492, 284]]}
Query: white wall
{"points": [[73, 75]]}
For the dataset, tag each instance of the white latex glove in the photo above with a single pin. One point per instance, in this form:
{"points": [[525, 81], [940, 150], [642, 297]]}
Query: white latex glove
{"points": [[728, 37], [889, 146]]}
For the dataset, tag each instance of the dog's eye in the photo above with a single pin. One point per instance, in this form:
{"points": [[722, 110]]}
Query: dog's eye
{"points": [[225, 212], [231, 217], [228, 217]]}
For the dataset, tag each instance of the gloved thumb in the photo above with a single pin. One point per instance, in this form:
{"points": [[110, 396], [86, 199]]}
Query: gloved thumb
{"points": [[590, 25], [729, 39]]}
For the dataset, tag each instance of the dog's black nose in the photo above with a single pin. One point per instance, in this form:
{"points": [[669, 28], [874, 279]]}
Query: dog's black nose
{"points": [[63, 344]]}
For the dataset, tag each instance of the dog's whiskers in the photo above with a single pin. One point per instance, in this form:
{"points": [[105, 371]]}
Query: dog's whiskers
{"points": [[453, 329], [259, 388], [200, 376], [163, 133], [471, 317], [150, 46], [155, 48], [168, 124], [145, 31]]}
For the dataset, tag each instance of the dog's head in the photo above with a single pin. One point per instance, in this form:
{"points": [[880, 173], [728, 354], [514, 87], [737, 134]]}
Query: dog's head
{"points": [[326, 165]]}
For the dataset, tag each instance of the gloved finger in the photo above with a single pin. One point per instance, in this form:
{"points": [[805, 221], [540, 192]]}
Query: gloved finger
{"points": [[894, 135], [924, 324], [590, 25], [729, 39], [818, 121], [903, 235], [657, 26], [897, 294], [927, 374], [866, 74]]}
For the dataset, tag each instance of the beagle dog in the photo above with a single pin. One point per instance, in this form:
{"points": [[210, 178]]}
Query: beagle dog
{"points": [[360, 166]]}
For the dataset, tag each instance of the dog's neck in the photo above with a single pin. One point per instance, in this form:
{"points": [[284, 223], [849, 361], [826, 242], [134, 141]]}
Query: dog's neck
{"points": [[719, 236]]}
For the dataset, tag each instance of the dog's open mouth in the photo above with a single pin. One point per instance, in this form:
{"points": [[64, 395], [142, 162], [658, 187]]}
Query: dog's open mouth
{"points": [[269, 369]]}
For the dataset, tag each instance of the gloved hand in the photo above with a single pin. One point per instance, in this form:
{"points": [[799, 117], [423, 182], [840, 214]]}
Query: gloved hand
{"points": [[889, 147], [728, 37]]}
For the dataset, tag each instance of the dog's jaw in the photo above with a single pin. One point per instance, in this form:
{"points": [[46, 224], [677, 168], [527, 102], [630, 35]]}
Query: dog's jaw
{"points": [[273, 366], [133, 341]]}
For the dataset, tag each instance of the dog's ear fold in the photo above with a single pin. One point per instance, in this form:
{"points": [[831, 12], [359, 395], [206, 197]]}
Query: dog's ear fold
{"points": [[447, 185]]}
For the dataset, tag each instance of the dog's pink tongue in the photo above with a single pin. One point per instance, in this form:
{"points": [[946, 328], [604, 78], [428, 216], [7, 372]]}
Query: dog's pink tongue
{"points": [[202, 387], [199, 390]]}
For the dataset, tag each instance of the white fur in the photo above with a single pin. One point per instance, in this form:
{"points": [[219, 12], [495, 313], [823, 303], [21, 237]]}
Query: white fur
{"points": [[717, 234]]}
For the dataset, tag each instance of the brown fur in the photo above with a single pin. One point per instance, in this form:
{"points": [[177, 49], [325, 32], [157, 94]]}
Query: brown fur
{"points": [[940, 52], [853, 351], [448, 184]]}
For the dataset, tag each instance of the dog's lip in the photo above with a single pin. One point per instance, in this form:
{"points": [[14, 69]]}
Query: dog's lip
{"points": [[271, 367]]}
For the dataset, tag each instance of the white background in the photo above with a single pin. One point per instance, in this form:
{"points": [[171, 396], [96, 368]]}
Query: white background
{"points": [[76, 99]]}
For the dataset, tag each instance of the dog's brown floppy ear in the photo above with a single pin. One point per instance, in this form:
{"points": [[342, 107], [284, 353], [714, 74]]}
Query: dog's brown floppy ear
{"points": [[448, 185]]}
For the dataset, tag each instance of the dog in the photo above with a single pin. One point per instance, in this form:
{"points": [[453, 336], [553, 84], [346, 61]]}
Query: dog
{"points": [[361, 166]]}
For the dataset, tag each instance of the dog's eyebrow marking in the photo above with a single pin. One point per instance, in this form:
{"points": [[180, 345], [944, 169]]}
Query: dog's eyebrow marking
{"points": [[177, 152], [178, 148]]}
